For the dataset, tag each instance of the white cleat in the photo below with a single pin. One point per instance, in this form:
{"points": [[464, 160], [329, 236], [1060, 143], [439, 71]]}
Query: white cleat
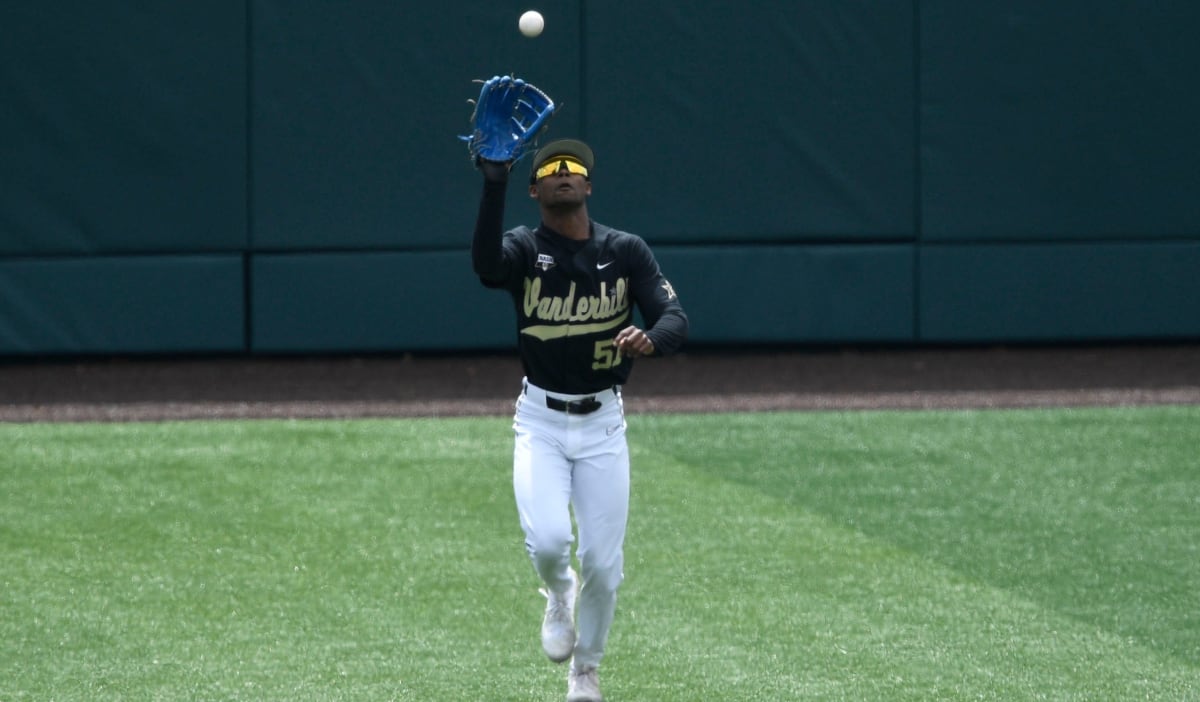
{"points": [[583, 685], [558, 626]]}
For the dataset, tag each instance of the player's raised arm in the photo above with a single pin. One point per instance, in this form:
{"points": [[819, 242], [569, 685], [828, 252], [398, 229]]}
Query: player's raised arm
{"points": [[509, 115], [487, 247]]}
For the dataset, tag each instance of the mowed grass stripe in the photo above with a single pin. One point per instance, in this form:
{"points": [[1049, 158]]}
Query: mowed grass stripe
{"points": [[1095, 512], [812, 609], [837, 556], [263, 560]]}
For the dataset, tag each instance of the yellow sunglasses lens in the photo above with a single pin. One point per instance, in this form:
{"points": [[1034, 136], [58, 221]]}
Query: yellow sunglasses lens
{"points": [[555, 165]]}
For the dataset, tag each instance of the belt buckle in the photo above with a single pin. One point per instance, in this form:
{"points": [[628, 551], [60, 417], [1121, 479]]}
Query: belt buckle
{"points": [[585, 406]]}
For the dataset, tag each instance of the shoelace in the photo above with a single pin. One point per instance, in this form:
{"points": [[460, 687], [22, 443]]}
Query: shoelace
{"points": [[588, 676], [558, 603]]}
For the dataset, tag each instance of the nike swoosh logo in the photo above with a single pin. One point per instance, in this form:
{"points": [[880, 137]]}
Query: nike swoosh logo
{"points": [[602, 266]]}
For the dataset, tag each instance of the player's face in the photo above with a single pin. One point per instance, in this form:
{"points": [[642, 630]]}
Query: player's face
{"points": [[561, 190]]}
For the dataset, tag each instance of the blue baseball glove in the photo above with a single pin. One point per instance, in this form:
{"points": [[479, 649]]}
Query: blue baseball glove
{"points": [[508, 117]]}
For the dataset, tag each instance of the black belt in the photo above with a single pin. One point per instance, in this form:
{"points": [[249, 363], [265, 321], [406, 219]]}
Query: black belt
{"points": [[586, 405]]}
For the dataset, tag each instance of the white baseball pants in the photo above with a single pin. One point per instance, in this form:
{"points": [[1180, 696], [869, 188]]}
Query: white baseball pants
{"points": [[580, 462]]}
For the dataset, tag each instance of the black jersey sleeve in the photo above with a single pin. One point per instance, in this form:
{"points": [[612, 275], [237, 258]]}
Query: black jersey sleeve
{"points": [[491, 264], [666, 322]]}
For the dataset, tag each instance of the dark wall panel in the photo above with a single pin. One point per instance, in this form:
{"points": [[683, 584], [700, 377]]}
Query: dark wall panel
{"points": [[1059, 120], [375, 302], [152, 304], [836, 171], [1059, 292], [431, 301], [357, 108], [760, 121], [805, 294], [123, 127]]}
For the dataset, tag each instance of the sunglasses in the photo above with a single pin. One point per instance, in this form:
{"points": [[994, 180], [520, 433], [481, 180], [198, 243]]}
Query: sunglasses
{"points": [[555, 165]]}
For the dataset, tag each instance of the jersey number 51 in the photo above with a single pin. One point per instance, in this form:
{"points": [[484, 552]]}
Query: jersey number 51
{"points": [[606, 355]]}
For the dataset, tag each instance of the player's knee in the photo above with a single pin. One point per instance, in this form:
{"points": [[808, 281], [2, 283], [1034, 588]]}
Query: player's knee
{"points": [[605, 576], [548, 548]]}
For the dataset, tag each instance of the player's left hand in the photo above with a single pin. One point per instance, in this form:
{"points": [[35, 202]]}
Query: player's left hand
{"points": [[495, 171], [632, 342]]}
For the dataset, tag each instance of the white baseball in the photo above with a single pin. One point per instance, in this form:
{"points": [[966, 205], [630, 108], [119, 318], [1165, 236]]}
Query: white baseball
{"points": [[531, 23]]}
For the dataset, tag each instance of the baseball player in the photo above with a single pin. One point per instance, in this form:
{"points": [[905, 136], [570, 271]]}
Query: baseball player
{"points": [[574, 284]]}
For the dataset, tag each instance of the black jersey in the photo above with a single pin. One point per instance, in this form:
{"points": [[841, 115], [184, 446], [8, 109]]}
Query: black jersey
{"points": [[572, 297]]}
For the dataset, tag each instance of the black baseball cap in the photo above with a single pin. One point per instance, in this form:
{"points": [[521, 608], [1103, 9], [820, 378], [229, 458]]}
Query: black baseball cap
{"points": [[562, 147]]}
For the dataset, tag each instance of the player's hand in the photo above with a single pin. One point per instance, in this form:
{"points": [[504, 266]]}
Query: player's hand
{"points": [[632, 342], [495, 171]]}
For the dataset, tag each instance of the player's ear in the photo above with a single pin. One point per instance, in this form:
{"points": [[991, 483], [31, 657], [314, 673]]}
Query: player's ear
{"points": [[533, 191]]}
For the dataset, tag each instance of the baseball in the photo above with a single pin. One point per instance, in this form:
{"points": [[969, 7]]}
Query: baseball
{"points": [[531, 23]]}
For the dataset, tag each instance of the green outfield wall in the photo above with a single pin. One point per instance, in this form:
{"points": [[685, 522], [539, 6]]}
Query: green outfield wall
{"points": [[282, 176]]}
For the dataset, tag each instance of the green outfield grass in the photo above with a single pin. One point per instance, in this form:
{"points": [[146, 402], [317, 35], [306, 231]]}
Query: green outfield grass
{"points": [[984, 555]]}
